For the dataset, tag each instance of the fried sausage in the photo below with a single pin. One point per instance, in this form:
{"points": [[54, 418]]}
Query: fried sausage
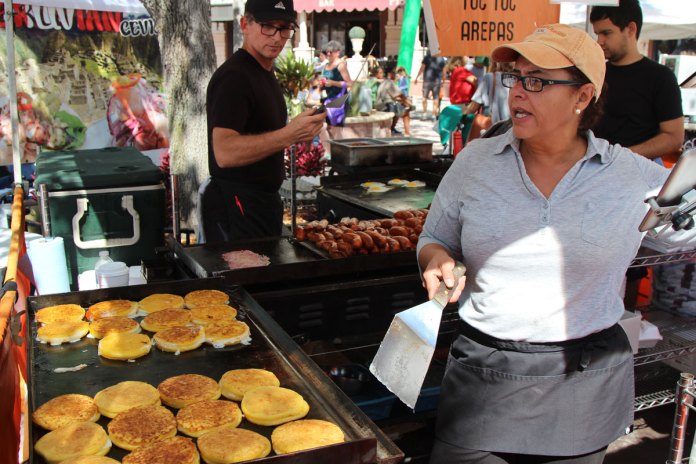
{"points": [[413, 222], [327, 245], [404, 242], [404, 214], [387, 223], [376, 237], [381, 230], [352, 238], [413, 238], [366, 239], [399, 230], [336, 254], [300, 234], [393, 244], [345, 248]]}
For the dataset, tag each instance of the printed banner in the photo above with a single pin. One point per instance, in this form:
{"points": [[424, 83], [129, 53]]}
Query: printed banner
{"points": [[85, 79], [475, 27]]}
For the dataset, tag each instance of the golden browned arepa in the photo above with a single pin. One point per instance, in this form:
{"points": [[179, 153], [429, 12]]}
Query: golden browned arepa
{"points": [[60, 313], [204, 315], [90, 460], [65, 409], [124, 346], [205, 298], [100, 328], [227, 445], [235, 383], [159, 301], [175, 450], [202, 417], [112, 308], [305, 434], [180, 339], [125, 395], [73, 440], [182, 390], [57, 333], [140, 426], [273, 405], [166, 319], [225, 333]]}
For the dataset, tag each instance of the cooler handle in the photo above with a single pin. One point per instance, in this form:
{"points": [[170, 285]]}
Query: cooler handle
{"points": [[127, 204]]}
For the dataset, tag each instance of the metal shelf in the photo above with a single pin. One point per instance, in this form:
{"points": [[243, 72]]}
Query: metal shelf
{"points": [[678, 337], [655, 386], [647, 257]]}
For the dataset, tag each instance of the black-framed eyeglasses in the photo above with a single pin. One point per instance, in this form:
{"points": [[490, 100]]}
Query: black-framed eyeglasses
{"points": [[270, 30], [533, 84]]}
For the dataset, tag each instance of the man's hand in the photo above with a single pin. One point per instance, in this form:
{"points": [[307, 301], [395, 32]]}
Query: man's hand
{"points": [[306, 125]]}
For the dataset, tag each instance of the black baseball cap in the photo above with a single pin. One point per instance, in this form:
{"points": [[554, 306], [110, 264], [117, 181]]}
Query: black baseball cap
{"points": [[271, 10]]}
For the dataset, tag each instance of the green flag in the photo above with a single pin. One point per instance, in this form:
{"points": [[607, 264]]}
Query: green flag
{"points": [[408, 34]]}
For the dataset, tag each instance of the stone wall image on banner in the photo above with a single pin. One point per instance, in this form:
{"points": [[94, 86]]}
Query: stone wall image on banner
{"points": [[85, 79]]}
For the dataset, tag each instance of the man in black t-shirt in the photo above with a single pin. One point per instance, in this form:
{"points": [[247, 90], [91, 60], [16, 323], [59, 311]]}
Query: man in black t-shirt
{"points": [[643, 110], [248, 130]]}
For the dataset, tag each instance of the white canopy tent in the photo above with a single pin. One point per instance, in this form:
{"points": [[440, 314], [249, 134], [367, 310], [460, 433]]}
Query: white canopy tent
{"points": [[134, 7], [662, 19]]}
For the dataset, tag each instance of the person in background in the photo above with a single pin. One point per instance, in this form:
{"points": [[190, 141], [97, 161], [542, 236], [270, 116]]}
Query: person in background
{"points": [[431, 69], [335, 71], [492, 95], [248, 130], [402, 78], [390, 98], [320, 61], [545, 218], [313, 96], [477, 65], [644, 109], [462, 83]]}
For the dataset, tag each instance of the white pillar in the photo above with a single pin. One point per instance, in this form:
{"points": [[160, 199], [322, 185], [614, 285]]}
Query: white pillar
{"points": [[303, 50], [418, 54]]}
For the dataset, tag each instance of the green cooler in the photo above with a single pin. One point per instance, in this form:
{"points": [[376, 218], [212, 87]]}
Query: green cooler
{"points": [[108, 199]]}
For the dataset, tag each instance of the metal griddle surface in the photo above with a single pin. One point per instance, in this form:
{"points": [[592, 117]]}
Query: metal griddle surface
{"points": [[271, 348], [206, 260], [348, 189], [290, 261]]}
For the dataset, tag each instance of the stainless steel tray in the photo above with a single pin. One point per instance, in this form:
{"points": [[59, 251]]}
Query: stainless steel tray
{"points": [[380, 151]]}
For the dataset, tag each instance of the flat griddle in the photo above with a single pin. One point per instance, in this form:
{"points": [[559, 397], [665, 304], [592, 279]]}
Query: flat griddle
{"points": [[347, 188], [290, 261], [271, 348]]}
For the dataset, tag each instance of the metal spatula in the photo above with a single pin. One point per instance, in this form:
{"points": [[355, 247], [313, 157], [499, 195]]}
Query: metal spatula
{"points": [[404, 355]]}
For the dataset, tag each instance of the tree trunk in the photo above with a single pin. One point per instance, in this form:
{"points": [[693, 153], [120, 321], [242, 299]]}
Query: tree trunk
{"points": [[188, 60]]}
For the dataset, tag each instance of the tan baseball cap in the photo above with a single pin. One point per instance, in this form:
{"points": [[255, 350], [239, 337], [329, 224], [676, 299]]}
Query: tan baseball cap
{"points": [[556, 46]]}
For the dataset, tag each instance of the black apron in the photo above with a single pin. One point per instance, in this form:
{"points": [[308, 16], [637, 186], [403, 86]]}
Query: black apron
{"points": [[562, 399], [233, 211]]}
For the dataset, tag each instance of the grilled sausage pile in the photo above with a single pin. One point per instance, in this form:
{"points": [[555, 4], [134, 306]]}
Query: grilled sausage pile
{"points": [[352, 236]]}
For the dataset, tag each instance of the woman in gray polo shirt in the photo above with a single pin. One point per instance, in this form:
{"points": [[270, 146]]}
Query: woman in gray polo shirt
{"points": [[545, 217]]}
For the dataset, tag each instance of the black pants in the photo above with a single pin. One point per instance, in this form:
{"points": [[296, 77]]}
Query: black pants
{"points": [[446, 453], [234, 212]]}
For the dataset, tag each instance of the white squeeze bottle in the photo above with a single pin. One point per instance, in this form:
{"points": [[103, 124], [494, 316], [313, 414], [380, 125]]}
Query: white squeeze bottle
{"points": [[103, 259]]}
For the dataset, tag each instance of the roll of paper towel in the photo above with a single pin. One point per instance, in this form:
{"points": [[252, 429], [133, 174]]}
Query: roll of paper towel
{"points": [[47, 256]]}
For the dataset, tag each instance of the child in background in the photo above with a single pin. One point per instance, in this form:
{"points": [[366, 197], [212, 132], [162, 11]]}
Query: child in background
{"points": [[402, 80]]}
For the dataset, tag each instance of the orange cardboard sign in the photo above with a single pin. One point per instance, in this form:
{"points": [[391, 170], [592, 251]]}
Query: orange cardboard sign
{"points": [[475, 27]]}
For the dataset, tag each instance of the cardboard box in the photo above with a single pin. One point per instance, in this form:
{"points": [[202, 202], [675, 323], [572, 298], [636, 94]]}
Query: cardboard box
{"points": [[630, 321]]}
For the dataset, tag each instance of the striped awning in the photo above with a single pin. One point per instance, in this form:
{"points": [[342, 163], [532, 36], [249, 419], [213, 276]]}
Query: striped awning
{"points": [[346, 5]]}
